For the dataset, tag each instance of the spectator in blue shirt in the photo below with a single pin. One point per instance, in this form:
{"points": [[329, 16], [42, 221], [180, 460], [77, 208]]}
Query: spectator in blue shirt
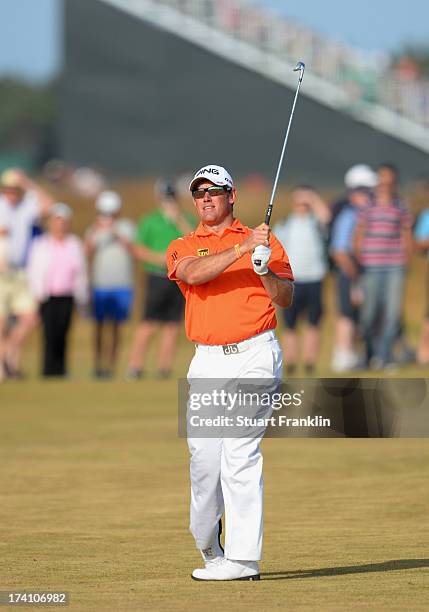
{"points": [[359, 180]]}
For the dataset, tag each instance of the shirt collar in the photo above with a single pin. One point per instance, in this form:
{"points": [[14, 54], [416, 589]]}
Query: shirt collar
{"points": [[236, 226]]}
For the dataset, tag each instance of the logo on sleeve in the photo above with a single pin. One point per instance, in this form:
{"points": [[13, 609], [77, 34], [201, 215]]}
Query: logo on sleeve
{"points": [[202, 252], [174, 256]]}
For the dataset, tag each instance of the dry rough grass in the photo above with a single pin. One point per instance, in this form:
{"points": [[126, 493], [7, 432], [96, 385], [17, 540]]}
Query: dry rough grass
{"points": [[95, 502]]}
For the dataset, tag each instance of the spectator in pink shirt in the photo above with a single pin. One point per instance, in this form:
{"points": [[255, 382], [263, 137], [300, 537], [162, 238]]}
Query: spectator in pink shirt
{"points": [[58, 278]]}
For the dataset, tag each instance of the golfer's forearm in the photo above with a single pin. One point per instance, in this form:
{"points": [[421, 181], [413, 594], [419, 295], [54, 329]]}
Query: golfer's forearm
{"points": [[204, 269], [280, 290]]}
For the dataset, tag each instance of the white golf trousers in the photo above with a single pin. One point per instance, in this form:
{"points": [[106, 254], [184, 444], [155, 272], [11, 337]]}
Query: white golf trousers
{"points": [[226, 473]]}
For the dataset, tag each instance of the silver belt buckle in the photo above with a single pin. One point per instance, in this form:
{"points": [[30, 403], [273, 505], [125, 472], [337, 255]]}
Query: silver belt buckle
{"points": [[230, 349]]}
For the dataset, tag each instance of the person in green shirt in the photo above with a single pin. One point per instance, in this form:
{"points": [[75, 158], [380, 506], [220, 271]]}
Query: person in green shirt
{"points": [[163, 302]]}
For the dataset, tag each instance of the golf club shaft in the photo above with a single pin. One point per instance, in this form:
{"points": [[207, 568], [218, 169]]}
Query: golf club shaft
{"points": [[301, 67]]}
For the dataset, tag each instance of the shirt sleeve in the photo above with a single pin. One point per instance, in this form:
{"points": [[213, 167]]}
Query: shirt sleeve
{"points": [[279, 262], [342, 232], [421, 231], [177, 251]]}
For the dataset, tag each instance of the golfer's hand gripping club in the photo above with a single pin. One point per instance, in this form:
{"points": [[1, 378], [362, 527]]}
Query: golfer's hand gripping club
{"points": [[260, 258], [300, 67]]}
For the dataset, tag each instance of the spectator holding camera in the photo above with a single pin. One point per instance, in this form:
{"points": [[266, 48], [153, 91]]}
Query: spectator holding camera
{"points": [[112, 278], [303, 235]]}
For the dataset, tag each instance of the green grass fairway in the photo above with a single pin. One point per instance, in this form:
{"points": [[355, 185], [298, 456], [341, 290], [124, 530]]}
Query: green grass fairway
{"points": [[94, 484]]}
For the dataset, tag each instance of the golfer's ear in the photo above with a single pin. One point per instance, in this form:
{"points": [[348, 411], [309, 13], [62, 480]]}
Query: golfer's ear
{"points": [[232, 196]]}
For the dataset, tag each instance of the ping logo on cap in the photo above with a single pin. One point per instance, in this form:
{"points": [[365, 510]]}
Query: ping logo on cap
{"points": [[208, 171], [216, 174]]}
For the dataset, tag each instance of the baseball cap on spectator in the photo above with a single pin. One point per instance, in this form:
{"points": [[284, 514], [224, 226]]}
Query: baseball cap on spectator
{"points": [[108, 203], [216, 174], [61, 210], [165, 188], [360, 176]]}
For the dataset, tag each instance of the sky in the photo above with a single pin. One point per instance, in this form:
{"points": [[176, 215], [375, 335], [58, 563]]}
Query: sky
{"points": [[31, 45], [30, 41]]}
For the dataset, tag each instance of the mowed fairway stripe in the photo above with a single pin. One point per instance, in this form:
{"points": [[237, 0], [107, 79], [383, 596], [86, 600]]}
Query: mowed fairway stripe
{"points": [[94, 484]]}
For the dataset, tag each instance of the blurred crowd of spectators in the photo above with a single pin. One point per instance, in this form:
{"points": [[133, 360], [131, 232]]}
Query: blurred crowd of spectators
{"points": [[363, 76], [365, 240]]}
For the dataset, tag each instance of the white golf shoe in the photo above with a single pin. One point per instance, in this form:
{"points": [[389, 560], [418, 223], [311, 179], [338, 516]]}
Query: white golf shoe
{"points": [[226, 569]]}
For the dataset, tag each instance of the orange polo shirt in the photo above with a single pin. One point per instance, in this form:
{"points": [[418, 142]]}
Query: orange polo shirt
{"points": [[233, 306]]}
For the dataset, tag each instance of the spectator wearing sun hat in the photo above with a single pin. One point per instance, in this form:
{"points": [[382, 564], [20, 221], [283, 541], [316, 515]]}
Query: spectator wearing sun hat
{"points": [[360, 181], [22, 204], [58, 279], [112, 274]]}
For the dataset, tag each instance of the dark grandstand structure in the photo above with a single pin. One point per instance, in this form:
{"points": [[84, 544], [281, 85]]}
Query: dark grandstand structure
{"points": [[137, 100]]}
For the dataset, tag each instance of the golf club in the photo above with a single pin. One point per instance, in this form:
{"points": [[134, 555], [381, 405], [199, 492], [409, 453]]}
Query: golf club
{"points": [[300, 67]]}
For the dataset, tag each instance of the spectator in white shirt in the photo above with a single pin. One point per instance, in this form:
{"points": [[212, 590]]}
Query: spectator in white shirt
{"points": [[303, 235], [22, 204]]}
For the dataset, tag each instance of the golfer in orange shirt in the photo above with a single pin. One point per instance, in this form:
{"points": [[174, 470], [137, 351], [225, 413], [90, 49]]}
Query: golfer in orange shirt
{"points": [[230, 276]]}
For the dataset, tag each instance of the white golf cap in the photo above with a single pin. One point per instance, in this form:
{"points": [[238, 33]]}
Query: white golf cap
{"points": [[108, 203], [360, 175], [61, 210], [215, 174]]}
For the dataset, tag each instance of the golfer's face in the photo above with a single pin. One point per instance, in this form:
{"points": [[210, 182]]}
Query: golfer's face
{"points": [[213, 209]]}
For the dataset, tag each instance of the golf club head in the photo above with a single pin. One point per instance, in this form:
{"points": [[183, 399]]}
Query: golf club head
{"points": [[300, 67]]}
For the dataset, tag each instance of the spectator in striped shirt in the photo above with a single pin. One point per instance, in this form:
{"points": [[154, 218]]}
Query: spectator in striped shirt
{"points": [[383, 243]]}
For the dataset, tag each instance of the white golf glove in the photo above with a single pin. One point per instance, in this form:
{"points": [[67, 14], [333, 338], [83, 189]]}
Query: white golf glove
{"points": [[260, 258]]}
